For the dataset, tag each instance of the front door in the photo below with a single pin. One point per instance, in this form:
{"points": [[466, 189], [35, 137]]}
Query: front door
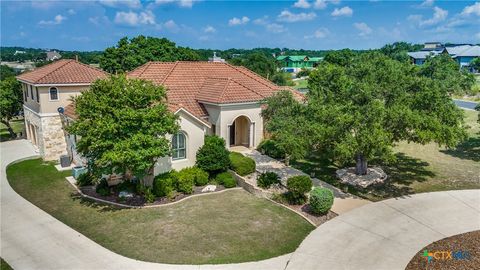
{"points": [[232, 134]]}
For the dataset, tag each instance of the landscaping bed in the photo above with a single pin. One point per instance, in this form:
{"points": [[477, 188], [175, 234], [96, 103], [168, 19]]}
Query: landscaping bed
{"points": [[209, 229], [139, 200], [465, 250]]}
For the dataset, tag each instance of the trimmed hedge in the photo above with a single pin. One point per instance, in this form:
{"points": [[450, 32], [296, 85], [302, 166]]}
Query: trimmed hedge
{"points": [[321, 200], [185, 181], [241, 164], [164, 184], [226, 179], [265, 180], [212, 157], [298, 186]]}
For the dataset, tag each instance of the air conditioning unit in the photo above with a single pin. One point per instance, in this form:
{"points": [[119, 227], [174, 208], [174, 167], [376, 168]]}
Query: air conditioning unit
{"points": [[78, 170], [65, 161]]}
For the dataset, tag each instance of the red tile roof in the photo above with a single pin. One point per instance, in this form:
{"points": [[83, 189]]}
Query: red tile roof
{"points": [[65, 71], [194, 83]]}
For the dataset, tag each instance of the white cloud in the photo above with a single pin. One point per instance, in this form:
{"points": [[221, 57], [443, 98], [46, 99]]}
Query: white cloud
{"points": [[302, 4], [473, 9], [98, 20], [71, 12], [427, 3], [181, 3], [287, 16], [344, 11], [275, 28], [133, 19], [320, 4], [320, 33], [41, 4], [364, 29], [209, 29], [171, 25], [261, 21], [56, 20], [121, 3], [439, 15], [238, 21]]}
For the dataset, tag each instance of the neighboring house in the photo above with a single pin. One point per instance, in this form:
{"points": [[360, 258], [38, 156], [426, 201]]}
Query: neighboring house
{"points": [[46, 90], [294, 63], [53, 55], [209, 98], [463, 54]]}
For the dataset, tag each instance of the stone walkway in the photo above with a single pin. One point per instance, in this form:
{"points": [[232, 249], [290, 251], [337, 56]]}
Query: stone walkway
{"points": [[342, 203]]}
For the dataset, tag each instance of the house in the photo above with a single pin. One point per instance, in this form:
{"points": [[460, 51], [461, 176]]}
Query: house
{"points": [[46, 91], [53, 55], [208, 97], [463, 54], [294, 63]]}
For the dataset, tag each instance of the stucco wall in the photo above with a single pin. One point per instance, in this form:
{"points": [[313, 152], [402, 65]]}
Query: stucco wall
{"points": [[229, 113], [195, 133], [45, 105]]}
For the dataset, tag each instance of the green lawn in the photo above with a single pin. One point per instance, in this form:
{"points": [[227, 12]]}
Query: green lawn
{"points": [[419, 168], [4, 265], [228, 227], [299, 84], [17, 126]]}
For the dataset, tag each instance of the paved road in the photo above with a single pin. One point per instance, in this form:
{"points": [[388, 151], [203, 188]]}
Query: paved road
{"points": [[387, 234], [382, 235], [470, 105]]}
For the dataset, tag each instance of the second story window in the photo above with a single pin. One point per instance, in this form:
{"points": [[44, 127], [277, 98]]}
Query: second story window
{"points": [[37, 95], [31, 91], [53, 93]]}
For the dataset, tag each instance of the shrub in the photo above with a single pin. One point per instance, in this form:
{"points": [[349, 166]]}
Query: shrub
{"points": [[164, 184], [241, 164], [85, 179], [102, 188], [126, 185], [297, 187], [185, 181], [303, 72], [270, 148], [321, 200], [149, 196], [265, 180], [212, 157], [199, 176], [226, 179]]}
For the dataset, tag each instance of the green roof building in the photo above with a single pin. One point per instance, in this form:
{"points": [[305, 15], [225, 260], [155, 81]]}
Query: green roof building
{"points": [[294, 63]]}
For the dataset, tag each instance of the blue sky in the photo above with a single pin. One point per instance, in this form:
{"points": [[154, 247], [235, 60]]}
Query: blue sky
{"points": [[308, 24]]}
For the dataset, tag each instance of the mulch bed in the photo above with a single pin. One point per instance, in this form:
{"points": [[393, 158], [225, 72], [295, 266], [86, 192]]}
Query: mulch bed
{"points": [[138, 200], [465, 243], [316, 219]]}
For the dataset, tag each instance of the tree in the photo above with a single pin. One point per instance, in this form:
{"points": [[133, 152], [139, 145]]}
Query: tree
{"points": [[213, 157], [123, 124], [398, 50], [132, 53], [10, 101], [359, 111], [6, 72], [446, 74], [341, 57], [257, 62], [476, 64], [282, 79]]}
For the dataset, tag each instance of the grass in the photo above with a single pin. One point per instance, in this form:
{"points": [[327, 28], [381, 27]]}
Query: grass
{"points": [[4, 265], [17, 125], [301, 84], [418, 168], [228, 227]]}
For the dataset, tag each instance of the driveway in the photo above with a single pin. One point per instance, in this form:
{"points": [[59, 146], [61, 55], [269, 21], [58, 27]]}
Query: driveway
{"points": [[469, 105], [387, 234], [382, 235]]}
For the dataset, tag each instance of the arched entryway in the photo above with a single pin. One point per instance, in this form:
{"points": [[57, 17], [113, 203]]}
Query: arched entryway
{"points": [[239, 132]]}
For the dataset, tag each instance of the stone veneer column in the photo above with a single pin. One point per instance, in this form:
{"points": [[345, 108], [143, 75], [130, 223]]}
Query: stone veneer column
{"points": [[52, 138]]}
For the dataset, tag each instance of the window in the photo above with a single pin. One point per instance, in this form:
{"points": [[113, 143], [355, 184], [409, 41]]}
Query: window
{"points": [[31, 91], [53, 93], [37, 95], [178, 146], [26, 89]]}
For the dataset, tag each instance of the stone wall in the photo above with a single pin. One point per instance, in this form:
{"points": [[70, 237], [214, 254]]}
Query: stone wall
{"points": [[53, 138]]}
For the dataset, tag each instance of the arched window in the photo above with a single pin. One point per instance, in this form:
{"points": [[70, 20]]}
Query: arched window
{"points": [[53, 93], [179, 146]]}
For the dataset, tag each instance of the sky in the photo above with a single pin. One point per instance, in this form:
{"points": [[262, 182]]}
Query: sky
{"points": [[307, 24]]}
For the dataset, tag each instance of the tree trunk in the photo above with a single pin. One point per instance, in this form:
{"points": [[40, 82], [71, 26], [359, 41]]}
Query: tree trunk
{"points": [[148, 179], [361, 165], [287, 160], [9, 128]]}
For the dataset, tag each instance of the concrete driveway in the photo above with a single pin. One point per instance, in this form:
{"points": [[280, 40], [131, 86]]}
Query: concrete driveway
{"points": [[387, 234], [382, 235]]}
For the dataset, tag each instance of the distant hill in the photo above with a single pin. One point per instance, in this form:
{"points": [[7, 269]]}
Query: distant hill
{"points": [[22, 54]]}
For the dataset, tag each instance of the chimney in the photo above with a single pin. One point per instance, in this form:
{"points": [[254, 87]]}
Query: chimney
{"points": [[76, 57]]}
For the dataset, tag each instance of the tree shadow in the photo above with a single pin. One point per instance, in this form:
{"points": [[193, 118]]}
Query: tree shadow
{"points": [[99, 206], [402, 173], [469, 149]]}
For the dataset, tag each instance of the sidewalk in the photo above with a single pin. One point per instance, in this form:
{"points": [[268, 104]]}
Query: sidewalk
{"points": [[342, 203]]}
